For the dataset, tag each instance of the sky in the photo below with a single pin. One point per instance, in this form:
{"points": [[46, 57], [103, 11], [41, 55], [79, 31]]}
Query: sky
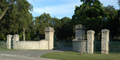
{"points": [[61, 8]]}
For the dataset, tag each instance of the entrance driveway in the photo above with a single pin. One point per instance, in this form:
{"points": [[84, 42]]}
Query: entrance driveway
{"points": [[25, 55]]}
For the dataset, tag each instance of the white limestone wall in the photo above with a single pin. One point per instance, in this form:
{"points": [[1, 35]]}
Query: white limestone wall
{"points": [[79, 46], [47, 44], [42, 45]]}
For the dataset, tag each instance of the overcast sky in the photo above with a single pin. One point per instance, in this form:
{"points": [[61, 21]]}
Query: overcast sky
{"points": [[61, 8]]}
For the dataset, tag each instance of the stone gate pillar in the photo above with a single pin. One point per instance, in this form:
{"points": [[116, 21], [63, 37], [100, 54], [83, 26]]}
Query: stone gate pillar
{"points": [[80, 32], [49, 35], [90, 41], [105, 41], [9, 37], [79, 43], [15, 39]]}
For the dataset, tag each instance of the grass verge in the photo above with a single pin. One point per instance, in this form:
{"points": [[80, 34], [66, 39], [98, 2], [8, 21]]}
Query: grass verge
{"points": [[1, 49], [70, 55]]}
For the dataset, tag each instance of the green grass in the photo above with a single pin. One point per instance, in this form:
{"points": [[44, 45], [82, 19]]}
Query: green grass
{"points": [[3, 48], [70, 55], [8, 49]]}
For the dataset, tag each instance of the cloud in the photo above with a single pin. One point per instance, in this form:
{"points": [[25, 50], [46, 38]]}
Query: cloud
{"points": [[57, 10], [61, 9], [110, 2]]}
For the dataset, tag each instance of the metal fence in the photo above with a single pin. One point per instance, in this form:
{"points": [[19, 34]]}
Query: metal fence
{"points": [[114, 46], [97, 46], [3, 45]]}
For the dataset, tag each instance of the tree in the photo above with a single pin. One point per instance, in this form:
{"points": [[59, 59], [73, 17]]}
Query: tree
{"points": [[67, 29], [4, 6], [110, 10], [87, 1], [25, 17], [119, 3], [63, 28], [112, 22], [90, 14], [41, 22], [17, 18]]}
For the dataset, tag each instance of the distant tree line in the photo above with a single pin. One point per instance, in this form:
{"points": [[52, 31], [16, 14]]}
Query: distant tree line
{"points": [[15, 18]]}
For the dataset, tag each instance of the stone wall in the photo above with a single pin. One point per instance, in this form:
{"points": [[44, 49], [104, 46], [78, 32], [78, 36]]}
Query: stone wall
{"points": [[87, 46], [42, 45], [79, 46], [46, 44]]}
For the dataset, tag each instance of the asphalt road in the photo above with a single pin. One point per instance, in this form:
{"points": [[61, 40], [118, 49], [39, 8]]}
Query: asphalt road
{"points": [[25, 55]]}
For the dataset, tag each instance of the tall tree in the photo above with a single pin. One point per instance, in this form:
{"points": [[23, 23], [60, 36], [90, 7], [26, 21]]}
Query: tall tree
{"points": [[4, 6], [67, 29], [41, 22], [63, 28], [90, 14], [25, 17], [110, 10], [119, 3], [17, 18], [112, 22]]}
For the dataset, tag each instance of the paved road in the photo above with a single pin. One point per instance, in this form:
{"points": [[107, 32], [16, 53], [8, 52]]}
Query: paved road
{"points": [[25, 55], [29, 55]]}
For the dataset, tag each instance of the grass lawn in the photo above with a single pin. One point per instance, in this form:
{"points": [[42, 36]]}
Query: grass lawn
{"points": [[3, 48], [8, 49], [70, 55]]}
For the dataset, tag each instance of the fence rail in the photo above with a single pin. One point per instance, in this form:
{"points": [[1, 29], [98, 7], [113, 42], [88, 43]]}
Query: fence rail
{"points": [[3, 45], [114, 46], [97, 46]]}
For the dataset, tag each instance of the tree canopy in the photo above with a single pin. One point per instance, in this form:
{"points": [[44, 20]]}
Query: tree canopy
{"points": [[90, 14], [15, 18]]}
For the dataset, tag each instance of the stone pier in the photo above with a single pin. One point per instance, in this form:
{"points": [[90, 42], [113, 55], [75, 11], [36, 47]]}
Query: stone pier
{"points": [[15, 39], [49, 35], [90, 41], [9, 41], [79, 43], [105, 41]]}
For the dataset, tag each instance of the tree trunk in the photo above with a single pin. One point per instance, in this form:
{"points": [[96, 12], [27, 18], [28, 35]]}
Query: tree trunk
{"points": [[1, 16], [23, 34]]}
